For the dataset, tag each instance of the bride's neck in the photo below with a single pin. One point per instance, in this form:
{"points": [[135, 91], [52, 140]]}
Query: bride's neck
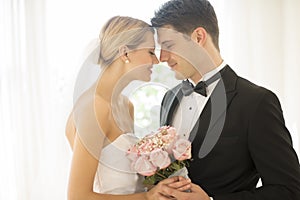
{"points": [[111, 83]]}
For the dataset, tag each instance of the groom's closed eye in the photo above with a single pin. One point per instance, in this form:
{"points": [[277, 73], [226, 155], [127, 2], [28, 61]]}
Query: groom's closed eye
{"points": [[167, 45]]}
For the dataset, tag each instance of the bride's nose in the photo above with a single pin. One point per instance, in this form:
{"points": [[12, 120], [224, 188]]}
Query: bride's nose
{"points": [[155, 60]]}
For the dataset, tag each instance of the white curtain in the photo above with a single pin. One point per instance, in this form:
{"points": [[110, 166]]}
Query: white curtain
{"points": [[260, 40], [32, 147], [41, 42]]}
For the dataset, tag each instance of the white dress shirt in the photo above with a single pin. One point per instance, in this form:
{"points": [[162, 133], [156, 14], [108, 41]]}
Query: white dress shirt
{"points": [[190, 107]]}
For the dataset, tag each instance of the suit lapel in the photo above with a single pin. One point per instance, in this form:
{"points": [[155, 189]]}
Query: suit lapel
{"points": [[170, 105]]}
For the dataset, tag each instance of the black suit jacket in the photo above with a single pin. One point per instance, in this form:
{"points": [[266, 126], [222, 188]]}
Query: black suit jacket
{"points": [[240, 137]]}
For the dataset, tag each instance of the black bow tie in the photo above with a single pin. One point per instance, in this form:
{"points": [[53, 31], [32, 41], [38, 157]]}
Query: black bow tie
{"points": [[188, 88]]}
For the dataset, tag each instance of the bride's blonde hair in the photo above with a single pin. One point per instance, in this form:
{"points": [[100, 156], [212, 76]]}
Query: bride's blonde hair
{"points": [[120, 31]]}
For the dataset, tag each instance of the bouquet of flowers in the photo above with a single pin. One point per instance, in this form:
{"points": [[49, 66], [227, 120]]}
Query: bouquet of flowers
{"points": [[160, 155]]}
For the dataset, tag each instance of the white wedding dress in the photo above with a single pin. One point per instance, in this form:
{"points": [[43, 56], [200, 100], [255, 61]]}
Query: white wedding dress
{"points": [[114, 173]]}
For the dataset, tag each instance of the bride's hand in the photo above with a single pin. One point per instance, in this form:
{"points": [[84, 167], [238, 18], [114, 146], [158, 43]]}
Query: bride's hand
{"points": [[179, 183]]}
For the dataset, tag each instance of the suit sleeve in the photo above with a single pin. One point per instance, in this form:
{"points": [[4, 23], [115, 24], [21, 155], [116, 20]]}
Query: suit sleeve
{"points": [[270, 146]]}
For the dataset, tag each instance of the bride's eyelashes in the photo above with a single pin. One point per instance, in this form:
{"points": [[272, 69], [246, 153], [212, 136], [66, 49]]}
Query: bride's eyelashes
{"points": [[152, 53]]}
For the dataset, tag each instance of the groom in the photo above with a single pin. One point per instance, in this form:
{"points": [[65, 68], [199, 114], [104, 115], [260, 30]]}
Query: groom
{"points": [[237, 128]]}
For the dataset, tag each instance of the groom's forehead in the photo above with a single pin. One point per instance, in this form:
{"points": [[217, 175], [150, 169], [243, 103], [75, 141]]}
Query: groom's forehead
{"points": [[167, 34]]}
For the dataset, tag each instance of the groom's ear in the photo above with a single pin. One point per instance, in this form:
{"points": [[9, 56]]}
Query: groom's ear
{"points": [[123, 53], [199, 36]]}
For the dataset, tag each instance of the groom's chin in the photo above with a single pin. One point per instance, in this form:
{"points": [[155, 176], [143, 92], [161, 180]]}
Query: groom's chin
{"points": [[179, 76]]}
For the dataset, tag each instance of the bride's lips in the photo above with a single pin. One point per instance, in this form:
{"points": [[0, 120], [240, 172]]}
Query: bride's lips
{"points": [[150, 68]]}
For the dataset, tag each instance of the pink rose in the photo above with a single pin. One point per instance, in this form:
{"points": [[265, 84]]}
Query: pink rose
{"points": [[160, 158], [182, 149], [170, 136], [172, 132], [144, 167], [133, 153]]}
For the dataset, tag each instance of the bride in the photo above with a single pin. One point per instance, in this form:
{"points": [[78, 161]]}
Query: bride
{"points": [[100, 126]]}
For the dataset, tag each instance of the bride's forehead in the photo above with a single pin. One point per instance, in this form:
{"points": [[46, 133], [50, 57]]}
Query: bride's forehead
{"points": [[148, 42]]}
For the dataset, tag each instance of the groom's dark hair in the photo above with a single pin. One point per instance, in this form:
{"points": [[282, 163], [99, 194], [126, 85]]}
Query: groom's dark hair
{"points": [[186, 15]]}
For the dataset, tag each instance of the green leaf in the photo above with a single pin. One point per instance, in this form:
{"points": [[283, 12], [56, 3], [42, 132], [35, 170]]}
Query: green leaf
{"points": [[165, 173]]}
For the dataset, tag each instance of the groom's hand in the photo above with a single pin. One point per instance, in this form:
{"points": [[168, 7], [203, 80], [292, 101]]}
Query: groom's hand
{"points": [[174, 183], [196, 193]]}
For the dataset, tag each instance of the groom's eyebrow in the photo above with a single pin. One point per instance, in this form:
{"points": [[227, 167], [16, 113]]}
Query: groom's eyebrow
{"points": [[166, 42]]}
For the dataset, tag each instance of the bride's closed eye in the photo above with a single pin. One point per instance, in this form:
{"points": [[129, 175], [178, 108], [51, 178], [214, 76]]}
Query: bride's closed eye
{"points": [[152, 53]]}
